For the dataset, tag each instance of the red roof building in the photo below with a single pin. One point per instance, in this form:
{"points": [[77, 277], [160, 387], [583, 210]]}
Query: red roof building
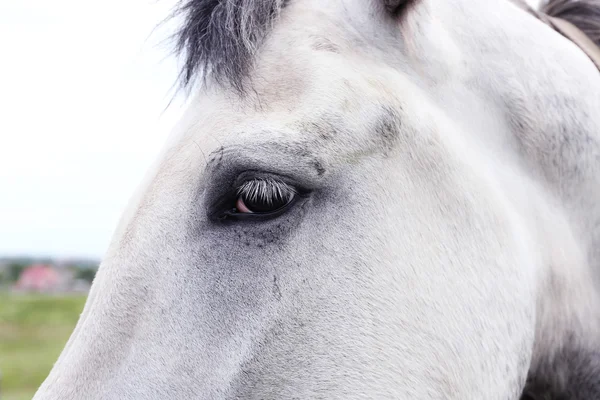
{"points": [[39, 278]]}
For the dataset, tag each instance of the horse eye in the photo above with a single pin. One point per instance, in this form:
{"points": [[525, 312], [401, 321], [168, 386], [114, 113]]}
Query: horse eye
{"points": [[263, 196]]}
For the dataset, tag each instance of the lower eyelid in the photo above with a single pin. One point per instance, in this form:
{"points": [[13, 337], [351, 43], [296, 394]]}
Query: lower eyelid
{"points": [[259, 216]]}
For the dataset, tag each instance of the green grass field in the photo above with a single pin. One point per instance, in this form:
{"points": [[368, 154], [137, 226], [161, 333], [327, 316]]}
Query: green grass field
{"points": [[33, 331]]}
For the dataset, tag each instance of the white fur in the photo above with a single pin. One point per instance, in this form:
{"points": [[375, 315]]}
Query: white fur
{"points": [[441, 262]]}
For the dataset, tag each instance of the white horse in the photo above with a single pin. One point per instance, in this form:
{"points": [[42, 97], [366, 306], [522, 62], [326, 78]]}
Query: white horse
{"points": [[367, 199]]}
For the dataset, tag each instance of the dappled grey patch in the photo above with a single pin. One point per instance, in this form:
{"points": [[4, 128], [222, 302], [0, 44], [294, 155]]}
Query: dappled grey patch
{"points": [[219, 39], [571, 374], [584, 14], [388, 126]]}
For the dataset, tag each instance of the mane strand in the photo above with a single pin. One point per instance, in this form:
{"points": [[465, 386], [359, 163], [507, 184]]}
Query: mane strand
{"points": [[219, 38]]}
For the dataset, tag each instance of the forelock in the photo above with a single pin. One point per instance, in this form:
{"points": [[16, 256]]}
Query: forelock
{"points": [[218, 39]]}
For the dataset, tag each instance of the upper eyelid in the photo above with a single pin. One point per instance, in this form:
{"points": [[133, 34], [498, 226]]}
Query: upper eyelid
{"points": [[308, 168]]}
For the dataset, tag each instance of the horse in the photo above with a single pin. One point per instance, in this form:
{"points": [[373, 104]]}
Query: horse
{"points": [[379, 199]]}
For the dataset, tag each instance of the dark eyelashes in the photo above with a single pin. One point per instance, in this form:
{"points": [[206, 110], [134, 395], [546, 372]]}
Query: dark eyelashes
{"points": [[266, 190]]}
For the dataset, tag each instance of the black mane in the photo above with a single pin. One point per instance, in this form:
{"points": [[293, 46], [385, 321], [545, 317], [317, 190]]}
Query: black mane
{"points": [[219, 38]]}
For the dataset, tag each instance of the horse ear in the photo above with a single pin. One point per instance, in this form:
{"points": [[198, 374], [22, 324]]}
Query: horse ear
{"points": [[567, 375]]}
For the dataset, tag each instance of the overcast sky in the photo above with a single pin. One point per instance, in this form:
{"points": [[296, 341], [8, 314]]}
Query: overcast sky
{"points": [[83, 87]]}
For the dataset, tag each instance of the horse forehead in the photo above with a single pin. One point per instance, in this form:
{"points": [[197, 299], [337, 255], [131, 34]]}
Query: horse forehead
{"points": [[317, 68], [330, 127], [339, 50], [303, 103]]}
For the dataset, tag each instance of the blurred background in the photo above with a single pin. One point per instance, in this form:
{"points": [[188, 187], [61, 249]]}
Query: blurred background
{"points": [[87, 98]]}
